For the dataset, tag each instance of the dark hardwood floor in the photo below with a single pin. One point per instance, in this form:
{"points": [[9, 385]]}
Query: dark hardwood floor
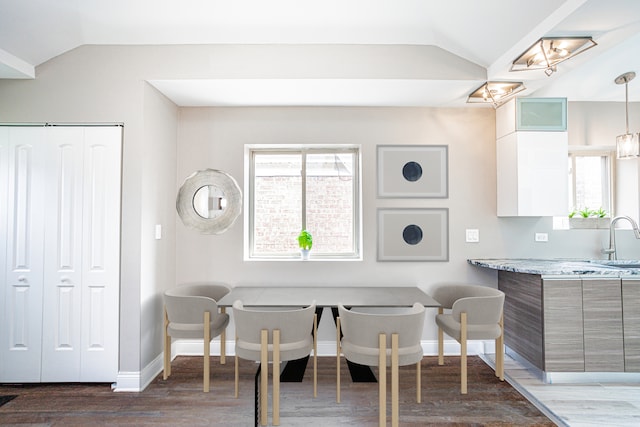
{"points": [[179, 401]]}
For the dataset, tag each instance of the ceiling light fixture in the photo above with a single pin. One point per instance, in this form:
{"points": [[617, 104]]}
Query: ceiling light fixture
{"points": [[495, 92], [628, 144], [548, 52]]}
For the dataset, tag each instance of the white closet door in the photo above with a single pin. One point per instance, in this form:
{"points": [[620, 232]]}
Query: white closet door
{"points": [[4, 237], [62, 310], [21, 331], [82, 255], [101, 254]]}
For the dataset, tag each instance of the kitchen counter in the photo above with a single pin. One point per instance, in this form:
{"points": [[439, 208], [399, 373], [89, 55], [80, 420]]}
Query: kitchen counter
{"points": [[564, 317], [545, 267]]}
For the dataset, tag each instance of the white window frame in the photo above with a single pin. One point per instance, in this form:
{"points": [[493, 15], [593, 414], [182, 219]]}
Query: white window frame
{"points": [[610, 154], [249, 190]]}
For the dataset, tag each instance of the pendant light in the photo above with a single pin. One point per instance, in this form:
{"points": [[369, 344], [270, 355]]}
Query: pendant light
{"points": [[628, 144]]}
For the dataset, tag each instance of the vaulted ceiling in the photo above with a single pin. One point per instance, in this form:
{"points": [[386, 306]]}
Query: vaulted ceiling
{"points": [[487, 33]]}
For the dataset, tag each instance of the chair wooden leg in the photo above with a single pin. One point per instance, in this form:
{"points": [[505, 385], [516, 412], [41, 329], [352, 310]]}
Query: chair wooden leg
{"points": [[500, 351], [275, 373], [440, 342], [395, 410], [382, 379], [223, 341], [167, 348], [264, 375], [418, 382], [315, 355], [207, 350], [338, 351], [236, 374], [463, 353]]}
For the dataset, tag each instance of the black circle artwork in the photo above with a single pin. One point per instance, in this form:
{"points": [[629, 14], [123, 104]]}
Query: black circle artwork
{"points": [[412, 171], [412, 234]]}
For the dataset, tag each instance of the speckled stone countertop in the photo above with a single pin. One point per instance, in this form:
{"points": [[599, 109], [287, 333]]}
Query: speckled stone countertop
{"points": [[561, 266]]}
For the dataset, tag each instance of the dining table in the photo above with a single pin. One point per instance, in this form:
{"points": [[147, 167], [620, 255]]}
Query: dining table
{"points": [[327, 296]]}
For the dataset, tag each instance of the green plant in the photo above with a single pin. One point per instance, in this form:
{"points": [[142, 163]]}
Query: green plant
{"points": [[585, 212], [588, 213], [305, 241], [600, 213]]}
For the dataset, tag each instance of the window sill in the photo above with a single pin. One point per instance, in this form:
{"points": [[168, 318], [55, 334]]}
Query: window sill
{"points": [[299, 259], [589, 223]]}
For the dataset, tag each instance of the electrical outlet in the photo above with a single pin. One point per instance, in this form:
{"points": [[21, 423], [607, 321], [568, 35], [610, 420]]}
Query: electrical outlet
{"points": [[542, 237], [473, 235]]}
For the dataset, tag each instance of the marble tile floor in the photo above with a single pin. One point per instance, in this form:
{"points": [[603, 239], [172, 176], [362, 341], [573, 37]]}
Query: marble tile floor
{"points": [[576, 405]]}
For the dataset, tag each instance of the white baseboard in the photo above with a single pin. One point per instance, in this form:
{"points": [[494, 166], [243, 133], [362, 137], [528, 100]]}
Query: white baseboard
{"points": [[138, 381]]}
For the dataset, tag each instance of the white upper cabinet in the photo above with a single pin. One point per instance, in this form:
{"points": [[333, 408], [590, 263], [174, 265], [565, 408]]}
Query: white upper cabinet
{"points": [[532, 164]]}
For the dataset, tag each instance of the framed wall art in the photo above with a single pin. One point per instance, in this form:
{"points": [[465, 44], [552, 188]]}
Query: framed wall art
{"points": [[413, 171], [413, 234]]}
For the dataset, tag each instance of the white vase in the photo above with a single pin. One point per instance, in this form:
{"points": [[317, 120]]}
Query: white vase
{"points": [[305, 253]]}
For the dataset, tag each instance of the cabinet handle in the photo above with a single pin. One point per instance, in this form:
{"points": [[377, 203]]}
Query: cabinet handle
{"points": [[65, 279], [22, 279]]}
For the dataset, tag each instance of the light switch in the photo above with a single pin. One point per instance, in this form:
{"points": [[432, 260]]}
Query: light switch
{"points": [[473, 235], [158, 231]]}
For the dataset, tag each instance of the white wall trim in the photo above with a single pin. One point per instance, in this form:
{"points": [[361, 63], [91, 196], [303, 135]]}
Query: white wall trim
{"points": [[138, 381]]}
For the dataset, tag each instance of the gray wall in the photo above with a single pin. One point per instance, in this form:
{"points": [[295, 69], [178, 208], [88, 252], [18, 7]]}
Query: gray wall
{"points": [[163, 144]]}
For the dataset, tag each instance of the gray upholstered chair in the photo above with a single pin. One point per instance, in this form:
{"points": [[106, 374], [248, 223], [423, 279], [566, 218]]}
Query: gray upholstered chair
{"points": [[476, 314], [278, 336], [382, 339], [191, 312]]}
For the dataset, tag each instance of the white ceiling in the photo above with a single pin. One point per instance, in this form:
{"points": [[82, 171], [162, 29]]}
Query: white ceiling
{"points": [[489, 33]]}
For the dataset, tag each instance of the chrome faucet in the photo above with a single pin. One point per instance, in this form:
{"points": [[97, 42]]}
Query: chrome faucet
{"points": [[612, 235]]}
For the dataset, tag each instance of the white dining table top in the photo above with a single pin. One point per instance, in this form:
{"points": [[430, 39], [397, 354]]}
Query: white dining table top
{"points": [[327, 296]]}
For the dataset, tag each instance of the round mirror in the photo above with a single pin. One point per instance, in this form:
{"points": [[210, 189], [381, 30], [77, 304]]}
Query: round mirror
{"points": [[209, 201]]}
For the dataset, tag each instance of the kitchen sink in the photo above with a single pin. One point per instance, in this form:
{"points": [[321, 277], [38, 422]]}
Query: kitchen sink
{"points": [[619, 264]]}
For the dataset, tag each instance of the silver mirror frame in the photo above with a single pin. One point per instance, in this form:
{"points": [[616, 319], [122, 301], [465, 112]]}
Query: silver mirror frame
{"points": [[215, 178]]}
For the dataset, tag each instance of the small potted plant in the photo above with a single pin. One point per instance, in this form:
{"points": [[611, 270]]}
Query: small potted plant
{"points": [[589, 218], [305, 241]]}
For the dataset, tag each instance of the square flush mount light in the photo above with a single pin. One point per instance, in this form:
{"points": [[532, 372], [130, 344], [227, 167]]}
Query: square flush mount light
{"points": [[548, 52], [495, 93]]}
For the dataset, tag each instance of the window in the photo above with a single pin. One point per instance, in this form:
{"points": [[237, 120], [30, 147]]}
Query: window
{"points": [[590, 180], [310, 187]]}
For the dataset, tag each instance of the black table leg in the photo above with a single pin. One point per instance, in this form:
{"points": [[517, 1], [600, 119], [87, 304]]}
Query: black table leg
{"points": [[359, 373], [294, 369]]}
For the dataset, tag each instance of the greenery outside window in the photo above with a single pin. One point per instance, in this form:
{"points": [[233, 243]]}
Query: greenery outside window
{"points": [[290, 188]]}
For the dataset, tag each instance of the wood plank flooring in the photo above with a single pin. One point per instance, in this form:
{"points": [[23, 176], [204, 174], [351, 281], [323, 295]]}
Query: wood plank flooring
{"points": [[179, 401], [578, 405]]}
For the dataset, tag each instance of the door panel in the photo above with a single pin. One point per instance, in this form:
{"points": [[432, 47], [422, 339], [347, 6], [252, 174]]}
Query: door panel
{"points": [[101, 259], [63, 255], [4, 238], [21, 337]]}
